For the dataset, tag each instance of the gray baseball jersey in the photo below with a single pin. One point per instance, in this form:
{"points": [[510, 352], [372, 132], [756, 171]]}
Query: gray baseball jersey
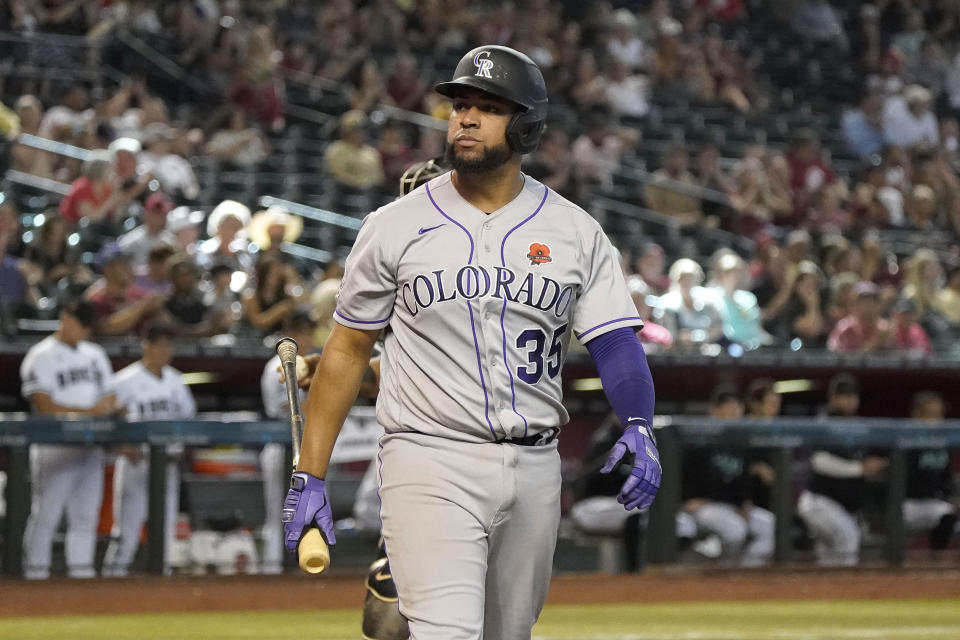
{"points": [[480, 306]]}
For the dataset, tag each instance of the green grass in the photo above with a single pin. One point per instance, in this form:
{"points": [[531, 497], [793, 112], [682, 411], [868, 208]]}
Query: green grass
{"points": [[837, 620]]}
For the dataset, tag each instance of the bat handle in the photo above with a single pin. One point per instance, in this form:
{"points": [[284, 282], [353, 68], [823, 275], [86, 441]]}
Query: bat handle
{"points": [[313, 554]]}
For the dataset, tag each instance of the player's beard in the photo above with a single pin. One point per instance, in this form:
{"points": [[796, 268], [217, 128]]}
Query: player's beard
{"points": [[492, 158]]}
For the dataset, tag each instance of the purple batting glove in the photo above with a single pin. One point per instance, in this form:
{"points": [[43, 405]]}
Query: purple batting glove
{"points": [[639, 490], [305, 506]]}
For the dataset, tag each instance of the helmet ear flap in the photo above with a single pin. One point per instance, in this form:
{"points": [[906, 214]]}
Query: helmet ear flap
{"points": [[524, 131]]}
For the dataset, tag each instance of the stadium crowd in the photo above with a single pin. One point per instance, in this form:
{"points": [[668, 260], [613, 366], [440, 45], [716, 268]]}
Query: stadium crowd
{"points": [[823, 272]]}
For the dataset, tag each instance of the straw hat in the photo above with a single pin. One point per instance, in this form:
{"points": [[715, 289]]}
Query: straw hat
{"points": [[227, 208], [261, 222]]}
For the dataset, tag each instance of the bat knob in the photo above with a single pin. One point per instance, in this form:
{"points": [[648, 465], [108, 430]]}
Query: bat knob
{"points": [[287, 349]]}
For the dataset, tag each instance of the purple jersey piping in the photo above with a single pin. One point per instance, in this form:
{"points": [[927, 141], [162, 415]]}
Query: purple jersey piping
{"points": [[349, 319], [603, 324], [473, 328], [503, 309]]}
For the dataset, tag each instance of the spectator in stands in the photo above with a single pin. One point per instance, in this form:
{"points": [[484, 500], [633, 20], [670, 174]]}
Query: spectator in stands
{"points": [[669, 56], [739, 310], [270, 228], [184, 224], [589, 87], [624, 44], [369, 90], [929, 68], [598, 151], [656, 337], [275, 296], [809, 172], [864, 330], [921, 209], [828, 213], [350, 160], [908, 335], [931, 500], [711, 175], [255, 87], [323, 299], [125, 154], [626, 93], [226, 244], [238, 143], [795, 312], [396, 154], [921, 278], [863, 126], [672, 190], [911, 37], [62, 121], [171, 169], [691, 311], [908, 120], [405, 87], [220, 299], [839, 485], [728, 70], [25, 158], [867, 47], [138, 242], [15, 292], [92, 194], [947, 300], [154, 276], [763, 189], [121, 307], [185, 303], [650, 267], [818, 22], [53, 256], [552, 163]]}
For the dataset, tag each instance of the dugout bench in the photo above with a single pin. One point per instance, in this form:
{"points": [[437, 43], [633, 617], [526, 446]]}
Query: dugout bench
{"points": [[782, 437]]}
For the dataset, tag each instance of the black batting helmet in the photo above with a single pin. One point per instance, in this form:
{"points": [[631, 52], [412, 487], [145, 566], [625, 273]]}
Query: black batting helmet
{"points": [[419, 173], [513, 76]]}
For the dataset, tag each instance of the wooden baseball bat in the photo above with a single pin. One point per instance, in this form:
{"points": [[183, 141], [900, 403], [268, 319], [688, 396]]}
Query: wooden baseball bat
{"points": [[313, 553]]}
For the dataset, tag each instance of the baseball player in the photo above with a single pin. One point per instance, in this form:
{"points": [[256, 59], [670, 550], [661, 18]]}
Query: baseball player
{"points": [[482, 275], [840, 485], [274, 465], [65, 374], [148, 389], [931, 503], [717, 496]]}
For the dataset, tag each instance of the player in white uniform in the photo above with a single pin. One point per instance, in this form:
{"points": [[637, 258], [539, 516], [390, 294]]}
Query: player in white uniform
{"points": [[274, 464], [148, 389], [64, 374], [482, 274]]}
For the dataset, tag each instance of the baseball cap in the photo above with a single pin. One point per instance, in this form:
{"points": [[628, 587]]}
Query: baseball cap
{"points": [[866, 289], [80, 309], [158, 201], [130, 145], [183, 218], [160, 331], [108, 253], [352, 120]]}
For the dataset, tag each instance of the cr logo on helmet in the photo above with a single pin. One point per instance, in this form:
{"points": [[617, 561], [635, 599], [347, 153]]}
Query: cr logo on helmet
{"points": [[539, 253], [483, 64]]}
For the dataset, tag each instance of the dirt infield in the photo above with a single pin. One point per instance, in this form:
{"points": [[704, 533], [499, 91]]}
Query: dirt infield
{"points": [[266, 593]]}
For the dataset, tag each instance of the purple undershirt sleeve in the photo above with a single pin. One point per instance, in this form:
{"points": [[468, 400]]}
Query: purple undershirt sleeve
{"points": [[625, 374]]}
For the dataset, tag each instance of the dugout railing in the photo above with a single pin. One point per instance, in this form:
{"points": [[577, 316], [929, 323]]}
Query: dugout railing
{"points": [[781, 438]]}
